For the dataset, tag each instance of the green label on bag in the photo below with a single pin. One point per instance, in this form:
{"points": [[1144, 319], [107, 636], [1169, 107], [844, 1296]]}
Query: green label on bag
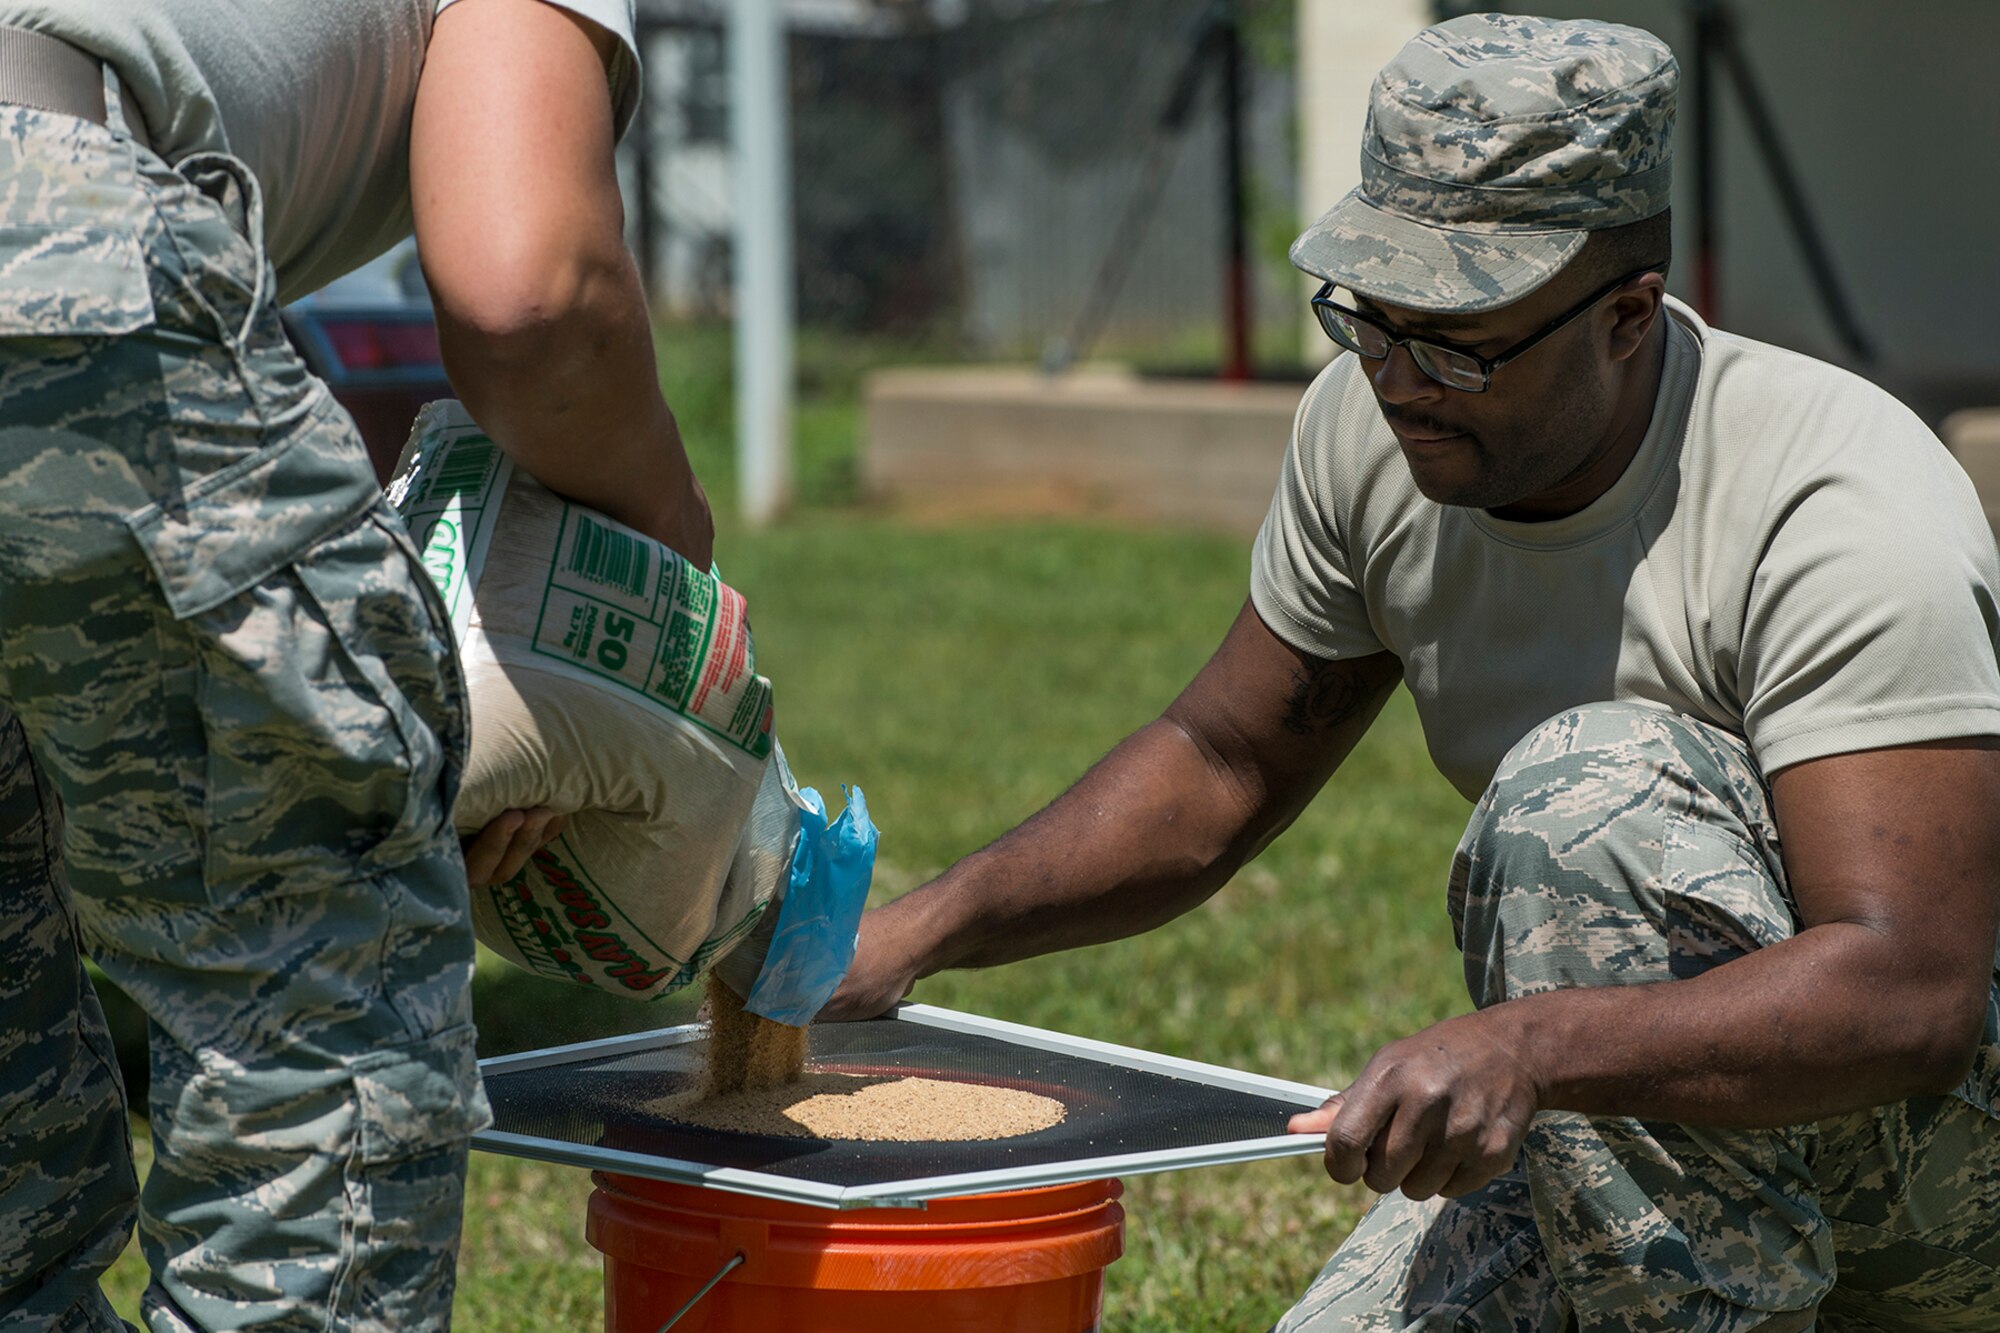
{"points": [[614, 603], [450, 504], [657, 626], [611, 559]]}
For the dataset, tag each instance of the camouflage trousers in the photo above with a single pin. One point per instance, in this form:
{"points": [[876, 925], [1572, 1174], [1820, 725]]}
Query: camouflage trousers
{"points": [[1620, 845], [231, 727]]}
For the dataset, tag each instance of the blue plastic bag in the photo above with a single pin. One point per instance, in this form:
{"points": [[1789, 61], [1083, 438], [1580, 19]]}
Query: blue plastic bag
{"points": [[821, 913]]}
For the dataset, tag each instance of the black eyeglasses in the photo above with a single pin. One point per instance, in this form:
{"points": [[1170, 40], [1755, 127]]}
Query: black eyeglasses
{"points": [[1453, 367]]}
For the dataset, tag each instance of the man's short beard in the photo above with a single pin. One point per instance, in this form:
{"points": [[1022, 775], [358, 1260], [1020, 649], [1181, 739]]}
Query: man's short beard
{"points": [[1516, 464]]}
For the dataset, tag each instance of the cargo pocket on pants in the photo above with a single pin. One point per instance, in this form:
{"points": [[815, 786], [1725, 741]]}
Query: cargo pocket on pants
{"points": [[387, 625], [416, 1107], [417, 1098], [314, 658]]}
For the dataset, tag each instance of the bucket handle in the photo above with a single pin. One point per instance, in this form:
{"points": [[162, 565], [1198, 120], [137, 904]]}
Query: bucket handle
{"points": [[706, 1287]]}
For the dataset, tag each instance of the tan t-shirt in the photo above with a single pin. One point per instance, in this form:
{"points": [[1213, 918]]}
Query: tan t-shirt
{"points": [[314, 95], [1791, 556]]}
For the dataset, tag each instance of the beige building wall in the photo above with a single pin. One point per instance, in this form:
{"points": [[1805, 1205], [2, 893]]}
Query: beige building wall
{"points": [[1342, 44]]}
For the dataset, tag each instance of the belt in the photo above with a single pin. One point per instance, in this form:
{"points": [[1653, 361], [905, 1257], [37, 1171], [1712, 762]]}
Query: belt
{"points": [[49, 74]]}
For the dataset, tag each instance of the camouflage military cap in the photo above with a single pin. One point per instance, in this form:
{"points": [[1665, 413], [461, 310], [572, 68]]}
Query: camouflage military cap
{"points": [[1494, 144]]}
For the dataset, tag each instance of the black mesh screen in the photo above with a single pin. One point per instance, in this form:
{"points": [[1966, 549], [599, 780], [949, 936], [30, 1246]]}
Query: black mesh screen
{"points": [[1110, 1110]]}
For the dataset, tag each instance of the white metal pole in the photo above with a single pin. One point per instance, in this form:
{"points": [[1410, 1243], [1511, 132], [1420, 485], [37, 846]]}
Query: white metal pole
{"points": [[1341, 46], [759, 135]]}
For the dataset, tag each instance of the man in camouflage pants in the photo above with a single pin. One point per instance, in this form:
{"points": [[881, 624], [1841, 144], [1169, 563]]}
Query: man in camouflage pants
{"points": [[233, 743], [231, 722], [1708, 631], [1649, 844]]}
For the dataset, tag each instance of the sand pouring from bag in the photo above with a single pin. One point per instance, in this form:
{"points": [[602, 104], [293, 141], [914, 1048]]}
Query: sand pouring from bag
{"points": [[755, 1082]]}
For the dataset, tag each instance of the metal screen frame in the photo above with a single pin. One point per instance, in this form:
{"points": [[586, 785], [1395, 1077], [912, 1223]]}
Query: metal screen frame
{"points": [[915, 1193]]}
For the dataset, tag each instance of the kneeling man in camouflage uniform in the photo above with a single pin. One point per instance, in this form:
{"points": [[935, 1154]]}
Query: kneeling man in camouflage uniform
{"points": [[1707, 629]]}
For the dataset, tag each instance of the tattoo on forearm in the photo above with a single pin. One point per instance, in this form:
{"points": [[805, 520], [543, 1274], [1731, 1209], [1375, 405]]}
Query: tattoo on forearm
{"points": [[1324, 695]]}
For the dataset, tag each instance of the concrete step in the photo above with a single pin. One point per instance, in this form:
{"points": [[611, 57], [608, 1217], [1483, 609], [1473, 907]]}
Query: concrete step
{"points": [[1097, 441]]}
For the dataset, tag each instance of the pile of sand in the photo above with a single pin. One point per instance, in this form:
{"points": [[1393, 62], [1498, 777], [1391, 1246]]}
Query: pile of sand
{"points": [[755, 1082], [825, 1104]]}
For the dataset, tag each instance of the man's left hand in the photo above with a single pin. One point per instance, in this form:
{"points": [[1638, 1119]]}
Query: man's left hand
{"points": [[1442, 1112], [497, 852]]}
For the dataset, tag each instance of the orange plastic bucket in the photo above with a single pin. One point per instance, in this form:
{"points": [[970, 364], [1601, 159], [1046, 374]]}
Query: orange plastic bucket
{"points": [[1027, 1261]]}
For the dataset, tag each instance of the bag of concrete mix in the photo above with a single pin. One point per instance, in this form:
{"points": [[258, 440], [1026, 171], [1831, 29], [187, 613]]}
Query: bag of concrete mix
{"points": [[612, 681]]}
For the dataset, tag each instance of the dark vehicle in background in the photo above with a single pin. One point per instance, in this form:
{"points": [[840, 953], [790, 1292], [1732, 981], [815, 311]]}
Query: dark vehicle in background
{"points": [[371, 337]]}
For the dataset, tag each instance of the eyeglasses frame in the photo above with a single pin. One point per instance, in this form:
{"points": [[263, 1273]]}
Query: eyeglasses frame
{"points": [[1487, 364]]}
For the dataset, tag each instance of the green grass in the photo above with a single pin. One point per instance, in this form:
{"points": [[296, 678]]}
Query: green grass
{"points": [[965, 676]]}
